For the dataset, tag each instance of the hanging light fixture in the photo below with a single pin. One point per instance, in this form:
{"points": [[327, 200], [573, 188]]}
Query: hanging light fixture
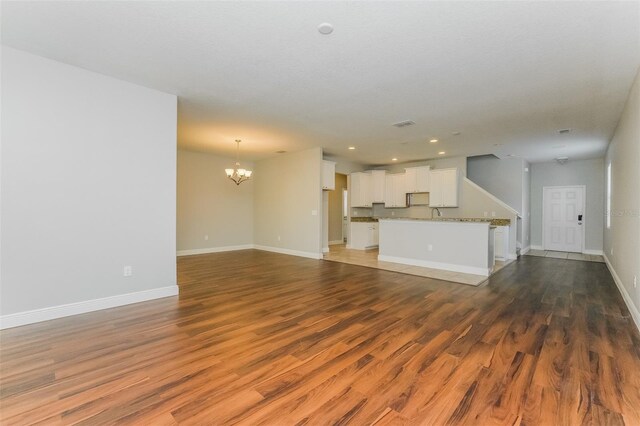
{"points": [[237, 174]]}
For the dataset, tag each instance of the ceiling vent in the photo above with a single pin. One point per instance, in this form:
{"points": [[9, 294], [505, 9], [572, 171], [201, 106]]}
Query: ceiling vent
{"points": [[562, 160], [563, 131], [405, 123]]}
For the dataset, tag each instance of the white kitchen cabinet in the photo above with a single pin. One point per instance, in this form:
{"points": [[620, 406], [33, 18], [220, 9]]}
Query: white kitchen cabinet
{"points": [[395, 191], [328, 175], [444, 188], [417, 179], [364, 235], [501, 242], [378, 185], [360, 189]]}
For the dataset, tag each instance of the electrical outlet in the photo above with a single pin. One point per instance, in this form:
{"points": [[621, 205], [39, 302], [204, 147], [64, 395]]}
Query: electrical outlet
{"points": [[127, 271], [430, 247], [314, 212], [486, 214], [206, 238], [393, 213], [493, 214], [611, 251], [355, 212], [278, 237], [635, 281]]}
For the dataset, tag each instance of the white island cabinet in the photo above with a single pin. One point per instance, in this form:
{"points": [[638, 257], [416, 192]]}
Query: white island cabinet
{"points": [[459, 246], [364, 235]]}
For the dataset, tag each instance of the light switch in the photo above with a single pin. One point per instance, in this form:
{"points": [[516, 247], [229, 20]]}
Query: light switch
{"points": [[314, 212]]}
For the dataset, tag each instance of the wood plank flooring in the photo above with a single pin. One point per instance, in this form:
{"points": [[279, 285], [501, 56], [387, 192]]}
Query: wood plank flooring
{"points": [[260, 338]]}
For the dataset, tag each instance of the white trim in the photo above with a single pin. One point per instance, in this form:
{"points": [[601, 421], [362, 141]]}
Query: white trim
{"points": [[493, 197], [53, 312], [512, 256], [334, 242], [325, 249], [635, 314], [214, 250], [584, 208], [536, 247], [594, 252], [525, 250], [436, 265], [308, 254]]}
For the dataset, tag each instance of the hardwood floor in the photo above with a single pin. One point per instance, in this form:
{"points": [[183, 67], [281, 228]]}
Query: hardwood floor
{"points": [[262, 338]]}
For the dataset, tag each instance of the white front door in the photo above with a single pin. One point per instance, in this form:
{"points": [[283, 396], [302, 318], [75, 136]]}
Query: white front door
{"points": [[563, 226]]}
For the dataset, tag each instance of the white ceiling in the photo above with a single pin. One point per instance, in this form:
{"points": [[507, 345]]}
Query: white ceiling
{"points": [[509, 73]]}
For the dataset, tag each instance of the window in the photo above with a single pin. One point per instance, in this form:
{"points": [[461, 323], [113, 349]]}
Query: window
{"points": [[608, 212]]}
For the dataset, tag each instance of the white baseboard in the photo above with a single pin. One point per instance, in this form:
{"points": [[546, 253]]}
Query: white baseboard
{"points": [[532, 247], [348, 246], [511, 256], [436, 265], [525, 250], [53, 312], [214, 250], [635, 314], [325, 249], [300, 253], [594, 252], [334, 242]]}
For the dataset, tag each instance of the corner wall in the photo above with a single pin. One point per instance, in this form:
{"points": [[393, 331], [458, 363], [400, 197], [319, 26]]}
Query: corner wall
{"points": [[213, 213], [88, 186], [622, 240], [288, 208]]}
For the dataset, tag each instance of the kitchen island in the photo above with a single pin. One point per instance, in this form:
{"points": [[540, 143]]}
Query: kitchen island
{"points": [[454, 244]]}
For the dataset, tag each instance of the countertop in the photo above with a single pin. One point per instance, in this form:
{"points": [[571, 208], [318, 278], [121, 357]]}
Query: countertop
{"points": [[363, 219], [490, 221]]}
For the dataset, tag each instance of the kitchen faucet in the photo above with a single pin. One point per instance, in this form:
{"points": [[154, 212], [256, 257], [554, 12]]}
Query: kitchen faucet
{"points": [[436, 209]]}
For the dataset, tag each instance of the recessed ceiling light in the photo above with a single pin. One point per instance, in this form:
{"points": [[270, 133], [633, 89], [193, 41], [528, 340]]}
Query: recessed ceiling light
{"points": [[433, 140], [441, 153], [325, 28], [456, 133], [352, 148], [394, 159]]}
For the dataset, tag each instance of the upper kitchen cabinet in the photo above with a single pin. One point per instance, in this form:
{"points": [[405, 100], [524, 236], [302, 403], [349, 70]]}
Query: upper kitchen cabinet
{"points": [[360, 190], [378, 185], [395, 191], [328, 175], [444, 188], [417, 179]]}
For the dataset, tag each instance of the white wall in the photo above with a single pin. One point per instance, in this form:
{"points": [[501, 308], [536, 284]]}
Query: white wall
{"points": [[579, 172], [88, 186], [287, 191], [210, 204], [508, 179], [622, 240]]}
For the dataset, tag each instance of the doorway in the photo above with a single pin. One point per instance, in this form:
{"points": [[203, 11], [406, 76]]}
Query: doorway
{"points": [[563, 219]]}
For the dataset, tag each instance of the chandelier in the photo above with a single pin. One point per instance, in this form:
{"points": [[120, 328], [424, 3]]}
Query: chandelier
{"points": [[237, 174]]}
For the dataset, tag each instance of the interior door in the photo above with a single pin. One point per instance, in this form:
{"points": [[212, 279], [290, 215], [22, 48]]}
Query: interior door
{"points": [[563, 225]]}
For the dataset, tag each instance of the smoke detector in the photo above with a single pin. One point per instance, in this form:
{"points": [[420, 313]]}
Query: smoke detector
{"points": [[562, 160], [404, 123]]}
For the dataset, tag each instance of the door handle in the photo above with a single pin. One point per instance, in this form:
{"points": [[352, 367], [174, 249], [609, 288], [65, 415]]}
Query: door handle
{"points": [[579, 217]]}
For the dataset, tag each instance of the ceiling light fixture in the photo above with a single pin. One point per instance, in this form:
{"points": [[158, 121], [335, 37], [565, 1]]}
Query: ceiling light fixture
{"points": [[394, 159], [433, 140], [352, 148], [441, 153], [325, 28], [562, 160], [237, 174]]}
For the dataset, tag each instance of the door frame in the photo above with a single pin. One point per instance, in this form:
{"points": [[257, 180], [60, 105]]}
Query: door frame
{"points": [[584, 208]]}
